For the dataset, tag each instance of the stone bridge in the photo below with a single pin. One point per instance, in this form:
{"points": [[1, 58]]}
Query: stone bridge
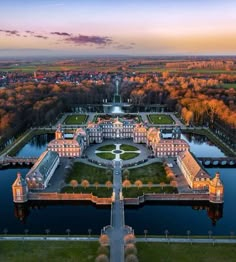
{"points": [[218, 161], [8, 160]]}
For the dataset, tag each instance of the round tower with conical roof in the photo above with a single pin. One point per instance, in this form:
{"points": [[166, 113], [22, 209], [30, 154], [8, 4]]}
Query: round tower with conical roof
{"points": [[216, 190], [20, 190]]}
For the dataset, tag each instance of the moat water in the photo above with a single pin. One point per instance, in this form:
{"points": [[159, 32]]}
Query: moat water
{"points": [[79, 217]]}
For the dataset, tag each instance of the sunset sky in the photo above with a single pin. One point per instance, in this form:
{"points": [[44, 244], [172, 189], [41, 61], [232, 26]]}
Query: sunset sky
{"points": [[134, 27]]}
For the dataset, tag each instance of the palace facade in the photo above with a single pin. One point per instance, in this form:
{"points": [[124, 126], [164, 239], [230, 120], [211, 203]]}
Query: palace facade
{"points": [[117, 129]]}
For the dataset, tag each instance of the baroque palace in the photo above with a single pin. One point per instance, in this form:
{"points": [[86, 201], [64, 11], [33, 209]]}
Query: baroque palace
{"points": [[114, 128]]}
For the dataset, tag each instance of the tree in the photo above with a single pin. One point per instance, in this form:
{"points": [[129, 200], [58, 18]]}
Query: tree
{"points": [[85, 183], [138, 183], [129, 238], [104, 240], [74, 183], [131, 258], [102, 258], [108, 184], [130, 249], [126, 183], [96, 184], [162, 184]]}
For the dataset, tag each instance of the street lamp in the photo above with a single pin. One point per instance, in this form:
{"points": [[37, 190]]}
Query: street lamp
{"points": [[89, 232], [145, 233]]}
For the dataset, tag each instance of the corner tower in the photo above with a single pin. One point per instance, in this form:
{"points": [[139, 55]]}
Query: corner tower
{"points": [[19, 190], [216, 189]]}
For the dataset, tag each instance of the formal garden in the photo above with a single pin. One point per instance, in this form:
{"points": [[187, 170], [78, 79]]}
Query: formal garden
{"points": [[109, 152]]}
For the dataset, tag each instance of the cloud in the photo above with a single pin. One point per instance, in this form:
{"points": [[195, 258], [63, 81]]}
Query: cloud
{"points": [[41, 36], [10, 32], [29, 32], [85, 39], [60, 33], [120, 46]]}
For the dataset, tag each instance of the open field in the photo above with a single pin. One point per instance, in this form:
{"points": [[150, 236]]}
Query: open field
{"points": [[154, 173], [75, 120], [99, 191], [152, 252], [53, 251], [160, 119], [135, 192], [93, 174]]}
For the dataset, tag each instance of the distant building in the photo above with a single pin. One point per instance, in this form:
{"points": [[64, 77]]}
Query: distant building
{"points": [[41, 172]]}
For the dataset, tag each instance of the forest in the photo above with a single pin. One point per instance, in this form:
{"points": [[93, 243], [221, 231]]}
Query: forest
{"points": [[200, 99]]}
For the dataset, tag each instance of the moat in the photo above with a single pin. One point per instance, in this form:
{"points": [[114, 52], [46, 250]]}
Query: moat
{"points": [[79, 217]]}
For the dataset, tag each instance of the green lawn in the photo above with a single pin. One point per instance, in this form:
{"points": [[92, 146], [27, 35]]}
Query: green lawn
{"points": [[107, 148], [93, 174], [135, 192], [99, 192], [75, 120], [160, 119], [128, 147], [154, 173], [107, 155], [127, 156], [152, 252], [51, 251]]}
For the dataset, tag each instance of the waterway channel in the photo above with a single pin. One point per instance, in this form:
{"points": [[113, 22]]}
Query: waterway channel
{"points": [[156, 218]]}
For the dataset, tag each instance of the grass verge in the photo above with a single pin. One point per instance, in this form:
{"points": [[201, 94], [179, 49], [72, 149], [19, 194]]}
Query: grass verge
{"points": [[152, 252], [53, 251]]}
